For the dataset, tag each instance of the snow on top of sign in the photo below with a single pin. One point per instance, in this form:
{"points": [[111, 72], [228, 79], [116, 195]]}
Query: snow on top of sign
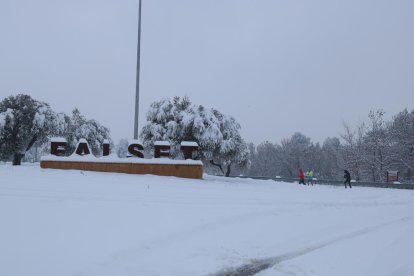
{"points": [[189, 144], [113, 158], [82, 140], [58, 139], [161, 143], [106, 141]]}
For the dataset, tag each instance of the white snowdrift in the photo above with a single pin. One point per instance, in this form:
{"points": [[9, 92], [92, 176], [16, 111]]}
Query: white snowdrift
{"points": [[57, 222]]}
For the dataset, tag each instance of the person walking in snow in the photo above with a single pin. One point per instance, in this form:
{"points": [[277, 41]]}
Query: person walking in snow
{"points": [[347, 178], [309, 177], [301, 177]]}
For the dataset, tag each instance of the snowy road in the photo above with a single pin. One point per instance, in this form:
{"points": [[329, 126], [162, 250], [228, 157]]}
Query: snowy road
{"points": [[85, 223]]}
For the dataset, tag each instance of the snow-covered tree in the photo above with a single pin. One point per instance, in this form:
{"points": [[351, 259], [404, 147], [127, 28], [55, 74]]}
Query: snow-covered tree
{"points": [[230, 147], [401, 131], [121, 148], [297, 153], [168, 120], [377, 146], [353, 150], [266, 159], [218, 135], [23, 122], [77, 127], [332, 161]]}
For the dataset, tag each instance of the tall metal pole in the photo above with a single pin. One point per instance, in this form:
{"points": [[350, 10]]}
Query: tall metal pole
{"points": [[138, 67]]}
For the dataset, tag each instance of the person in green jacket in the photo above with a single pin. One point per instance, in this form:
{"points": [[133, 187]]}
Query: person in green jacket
{"points": [[309, 177]]}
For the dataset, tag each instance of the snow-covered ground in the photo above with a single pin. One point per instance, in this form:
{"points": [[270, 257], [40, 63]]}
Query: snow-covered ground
{"points": [[56, 222]]}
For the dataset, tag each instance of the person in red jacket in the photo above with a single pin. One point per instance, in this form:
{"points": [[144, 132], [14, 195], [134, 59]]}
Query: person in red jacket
{"points": [[301, 177]]}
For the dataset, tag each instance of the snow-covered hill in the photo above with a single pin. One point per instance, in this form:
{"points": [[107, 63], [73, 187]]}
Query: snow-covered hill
{"points": [[85, 223]]}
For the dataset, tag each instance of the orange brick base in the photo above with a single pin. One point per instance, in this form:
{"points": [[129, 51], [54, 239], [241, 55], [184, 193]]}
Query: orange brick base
{"points": [[185, 171]]}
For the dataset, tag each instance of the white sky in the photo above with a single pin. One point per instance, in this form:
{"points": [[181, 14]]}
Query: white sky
{"points": [[277, 66]]}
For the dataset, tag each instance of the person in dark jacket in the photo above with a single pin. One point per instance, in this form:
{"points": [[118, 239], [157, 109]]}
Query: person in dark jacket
{"points": [[301, 177], [347, 177]]}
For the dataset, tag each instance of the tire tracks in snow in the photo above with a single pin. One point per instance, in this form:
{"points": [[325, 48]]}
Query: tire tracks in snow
{"points": [[257, 265], [177, 236]]}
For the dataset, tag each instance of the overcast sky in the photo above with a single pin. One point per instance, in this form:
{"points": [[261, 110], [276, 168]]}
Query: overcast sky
{"points": [[277, 66]]}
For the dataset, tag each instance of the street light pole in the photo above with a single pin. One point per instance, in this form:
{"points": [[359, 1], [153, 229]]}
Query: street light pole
{"points": [[137, 81]]}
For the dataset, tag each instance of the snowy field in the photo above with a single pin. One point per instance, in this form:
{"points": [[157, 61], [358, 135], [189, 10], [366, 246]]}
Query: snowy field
{"points": [[56, 222]]}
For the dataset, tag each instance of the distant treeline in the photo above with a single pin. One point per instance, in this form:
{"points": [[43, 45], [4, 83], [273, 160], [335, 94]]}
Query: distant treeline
{"points": [[368, 151]]}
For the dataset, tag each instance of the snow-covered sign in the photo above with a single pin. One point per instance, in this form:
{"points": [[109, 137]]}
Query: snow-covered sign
{"points": [[83, 159], [135, 148]]}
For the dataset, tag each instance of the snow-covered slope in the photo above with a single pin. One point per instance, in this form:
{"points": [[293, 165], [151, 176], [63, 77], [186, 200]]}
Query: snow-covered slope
{"points": [[56, 222]]}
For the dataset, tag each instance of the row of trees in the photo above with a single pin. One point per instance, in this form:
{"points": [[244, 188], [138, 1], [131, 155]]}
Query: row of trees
{"points": [[26, 123], [368, 151]]}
